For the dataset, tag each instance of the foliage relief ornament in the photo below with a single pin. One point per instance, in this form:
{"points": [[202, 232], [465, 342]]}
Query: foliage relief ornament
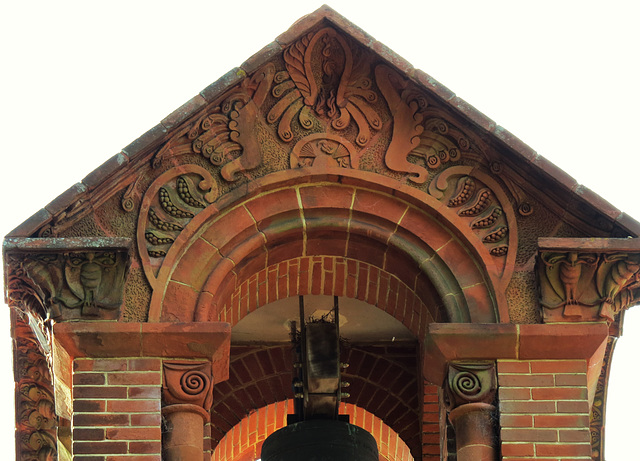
{"points": [[587, 286], [168, 205], [419, 129], [226, 135], [322, 83], [36, 422], [480, 202]]}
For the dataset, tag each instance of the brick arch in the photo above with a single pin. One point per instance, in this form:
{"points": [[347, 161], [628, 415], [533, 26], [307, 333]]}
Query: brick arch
{"points": [[405, 232], [243, 442], [384, 382], [414, 306]]}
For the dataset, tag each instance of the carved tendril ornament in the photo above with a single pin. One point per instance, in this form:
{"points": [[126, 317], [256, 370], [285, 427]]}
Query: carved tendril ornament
{"points": [[36, 420]]}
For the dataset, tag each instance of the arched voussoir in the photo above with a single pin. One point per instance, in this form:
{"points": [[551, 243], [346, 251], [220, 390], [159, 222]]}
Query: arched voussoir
{"points": [[418, 245]]}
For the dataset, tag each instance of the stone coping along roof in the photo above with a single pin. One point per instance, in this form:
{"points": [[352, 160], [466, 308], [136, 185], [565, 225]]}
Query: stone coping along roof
{"points": [[137, 153]]}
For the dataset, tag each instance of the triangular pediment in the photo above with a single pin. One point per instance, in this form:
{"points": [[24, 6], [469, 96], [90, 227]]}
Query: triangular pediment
{"points": [[326, 93]]}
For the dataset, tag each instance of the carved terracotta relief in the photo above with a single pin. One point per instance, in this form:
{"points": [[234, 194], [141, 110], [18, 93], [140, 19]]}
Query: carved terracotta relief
{"points": [[75, 284], [325, 102], [323, 82], [36, 421], [226, 134], [597, 414], [188, 383], [483, 207], [578, 286], [169, 204]]}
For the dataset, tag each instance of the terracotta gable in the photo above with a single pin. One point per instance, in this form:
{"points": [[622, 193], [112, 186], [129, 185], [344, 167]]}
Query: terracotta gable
{"points": [[501, 149]]}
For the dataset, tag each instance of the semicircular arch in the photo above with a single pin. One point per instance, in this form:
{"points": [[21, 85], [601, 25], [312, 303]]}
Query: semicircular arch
{"points": [[357, 215]]}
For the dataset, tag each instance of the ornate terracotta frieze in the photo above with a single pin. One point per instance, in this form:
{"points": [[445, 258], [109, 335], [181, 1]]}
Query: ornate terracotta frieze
{"points": [[588, 283], [67, 278]]}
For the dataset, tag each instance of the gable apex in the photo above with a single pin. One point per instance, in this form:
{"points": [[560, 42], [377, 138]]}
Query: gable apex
{"points": [[522, 157]]}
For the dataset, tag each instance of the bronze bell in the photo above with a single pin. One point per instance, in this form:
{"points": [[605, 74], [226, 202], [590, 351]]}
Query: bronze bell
{"points": [[316, 432], [320, 440]]}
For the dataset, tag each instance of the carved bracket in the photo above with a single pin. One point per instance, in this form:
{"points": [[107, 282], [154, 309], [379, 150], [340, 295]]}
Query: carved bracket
{"points": [[590, 280], [69, 278]]}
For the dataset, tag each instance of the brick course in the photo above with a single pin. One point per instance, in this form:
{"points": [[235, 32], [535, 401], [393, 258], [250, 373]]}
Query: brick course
{"points": [[544, 410], [116, 405]]}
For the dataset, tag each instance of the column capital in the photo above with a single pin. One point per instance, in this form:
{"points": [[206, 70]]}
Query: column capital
{"points": [[470, 382], [187, 383]]}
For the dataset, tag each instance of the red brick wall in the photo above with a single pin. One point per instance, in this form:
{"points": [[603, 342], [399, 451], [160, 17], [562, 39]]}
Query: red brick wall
{"points": [[244, 441], [430, 423], [116, 409], [544, 410]]}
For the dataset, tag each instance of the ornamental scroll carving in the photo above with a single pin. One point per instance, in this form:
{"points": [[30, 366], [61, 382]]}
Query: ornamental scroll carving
{"points": [[82, 283], [36, 421], [582, 286], [226, 134], [332, 100], [324, 102], [470, 382], [188, 383]]}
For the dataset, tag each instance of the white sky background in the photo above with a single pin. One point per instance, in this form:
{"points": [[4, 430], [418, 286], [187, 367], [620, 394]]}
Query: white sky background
{"points": [[81, 80]]}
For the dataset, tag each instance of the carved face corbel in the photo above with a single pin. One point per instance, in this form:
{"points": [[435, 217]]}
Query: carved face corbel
{"points": [[587, 286]]}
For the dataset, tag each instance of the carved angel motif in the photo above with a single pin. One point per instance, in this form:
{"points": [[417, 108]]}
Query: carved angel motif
{"points": [[589, 286]]}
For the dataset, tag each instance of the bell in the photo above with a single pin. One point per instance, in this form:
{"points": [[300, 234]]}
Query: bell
{"points": [[320, 440]]}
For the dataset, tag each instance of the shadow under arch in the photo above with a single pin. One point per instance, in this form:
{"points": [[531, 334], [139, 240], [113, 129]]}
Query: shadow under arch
{"points": [[355, 215]]}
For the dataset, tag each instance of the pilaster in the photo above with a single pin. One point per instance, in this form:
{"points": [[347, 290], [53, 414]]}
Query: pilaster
{"points": [[127, 383]]}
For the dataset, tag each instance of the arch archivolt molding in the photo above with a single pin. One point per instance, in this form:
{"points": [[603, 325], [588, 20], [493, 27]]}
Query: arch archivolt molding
{"points": [[418, 238]]}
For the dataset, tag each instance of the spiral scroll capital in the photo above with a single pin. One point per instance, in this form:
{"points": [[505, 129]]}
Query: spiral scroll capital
{"points": [[187, 383], [470, 382]]}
